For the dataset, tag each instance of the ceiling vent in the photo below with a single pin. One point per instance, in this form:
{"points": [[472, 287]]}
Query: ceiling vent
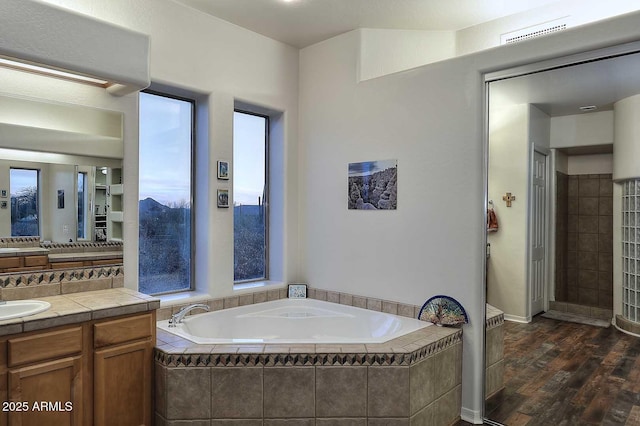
{"points": [[534, 31]]}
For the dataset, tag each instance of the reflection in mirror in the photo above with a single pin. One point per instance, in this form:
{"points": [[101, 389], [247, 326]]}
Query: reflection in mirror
{"points": [[555, 253], [60, 183]]}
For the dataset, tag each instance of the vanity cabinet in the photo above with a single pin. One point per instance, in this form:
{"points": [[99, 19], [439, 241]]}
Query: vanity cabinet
{"points": [[98, 372], [123, 359]]}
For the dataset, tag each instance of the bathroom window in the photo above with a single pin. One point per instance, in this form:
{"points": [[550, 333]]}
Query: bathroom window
{"points": [[631, 250], [250, 196], [23, 187], [82, 206], [167, 126]]}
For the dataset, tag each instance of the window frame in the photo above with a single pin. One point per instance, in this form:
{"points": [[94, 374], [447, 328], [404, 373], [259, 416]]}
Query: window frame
{"points": [[266, 196], [38, 200], [168, 93]]}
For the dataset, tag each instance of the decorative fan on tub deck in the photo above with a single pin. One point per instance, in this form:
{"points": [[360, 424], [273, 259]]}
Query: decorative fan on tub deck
{"points": [[443, 310]]}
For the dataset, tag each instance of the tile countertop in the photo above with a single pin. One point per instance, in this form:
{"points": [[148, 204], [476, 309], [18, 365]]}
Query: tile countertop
{"points": [[22, 251], [80, 307]]}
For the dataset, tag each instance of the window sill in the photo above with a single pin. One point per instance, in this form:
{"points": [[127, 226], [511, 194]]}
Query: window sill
{"points": [[186, 297], [254, 285]]}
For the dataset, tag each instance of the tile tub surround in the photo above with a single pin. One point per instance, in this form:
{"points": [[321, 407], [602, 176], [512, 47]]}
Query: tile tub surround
{"points": [[414, 379], [494, 346], [80, 307], [387, 306]]}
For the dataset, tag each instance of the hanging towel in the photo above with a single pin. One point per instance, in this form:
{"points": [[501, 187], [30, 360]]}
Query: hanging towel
{"points": [[492, 221]]}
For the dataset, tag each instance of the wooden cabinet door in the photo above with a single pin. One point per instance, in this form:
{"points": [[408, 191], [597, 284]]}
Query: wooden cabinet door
{"points": [[48, 393], [122, 384]]}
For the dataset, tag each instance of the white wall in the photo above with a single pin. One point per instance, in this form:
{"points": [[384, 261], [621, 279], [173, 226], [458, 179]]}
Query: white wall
{"points": [[384, 52], [508, 167], [576, 12], [627, 144], [512, 130], [61, 221], [595, 164], [594, 128], [431, 120], [221, 63]]}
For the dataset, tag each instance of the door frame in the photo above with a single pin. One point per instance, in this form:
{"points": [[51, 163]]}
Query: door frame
{"points": [[547, 221]]}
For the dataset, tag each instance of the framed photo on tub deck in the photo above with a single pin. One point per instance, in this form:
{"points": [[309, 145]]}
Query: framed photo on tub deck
{"points": [[297, 291]]}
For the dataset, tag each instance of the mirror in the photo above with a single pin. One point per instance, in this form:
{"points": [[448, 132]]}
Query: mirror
{"points": [[60, 180], [552, 275]]}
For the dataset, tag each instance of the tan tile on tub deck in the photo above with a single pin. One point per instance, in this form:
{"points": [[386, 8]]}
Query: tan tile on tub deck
{"points": [[421, 384], [289, 392], [360, 302], [233, 422], [374, 304], [216, 304], [245, 299], [333, 297], [260, 297], [273, 295], [321, 295], [346, 299], [231, 302], [389, 307]]}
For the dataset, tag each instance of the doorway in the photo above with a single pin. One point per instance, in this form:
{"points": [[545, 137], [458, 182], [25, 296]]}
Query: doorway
{"points": [[545, 99]]}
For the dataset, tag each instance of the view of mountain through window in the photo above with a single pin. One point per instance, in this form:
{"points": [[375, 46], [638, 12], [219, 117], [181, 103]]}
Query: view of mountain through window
{"points": [[166, 139], [250, 196]]}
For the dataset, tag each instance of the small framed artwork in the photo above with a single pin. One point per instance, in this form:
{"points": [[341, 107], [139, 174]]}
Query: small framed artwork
{"points": [[3, 193], [297, 291], [3, 204], [61, 198], [223, 198], [223, 170]]}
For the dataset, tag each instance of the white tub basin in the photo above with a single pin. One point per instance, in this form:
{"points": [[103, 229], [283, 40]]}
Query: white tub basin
{"points": [[22, 308]]}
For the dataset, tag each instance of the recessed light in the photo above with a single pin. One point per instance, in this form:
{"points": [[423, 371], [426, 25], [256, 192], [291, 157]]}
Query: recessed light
{"points": [[587, 108]]}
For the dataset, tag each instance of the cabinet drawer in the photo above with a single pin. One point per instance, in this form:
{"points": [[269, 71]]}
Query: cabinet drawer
{"points": [[10, 262], [44, 346], [122, 330], [36, 260]]}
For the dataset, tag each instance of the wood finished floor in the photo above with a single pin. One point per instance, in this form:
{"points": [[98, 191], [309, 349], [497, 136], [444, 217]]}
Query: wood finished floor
{"points": [[564, 374]]}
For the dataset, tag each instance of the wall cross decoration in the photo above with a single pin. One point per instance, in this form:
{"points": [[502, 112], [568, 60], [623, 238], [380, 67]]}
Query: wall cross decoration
{"points": [[509, 198]]}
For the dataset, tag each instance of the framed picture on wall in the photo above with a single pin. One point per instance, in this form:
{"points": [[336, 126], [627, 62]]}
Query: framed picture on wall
{"points": [[223, 198], [3, 193], [223, 170]]}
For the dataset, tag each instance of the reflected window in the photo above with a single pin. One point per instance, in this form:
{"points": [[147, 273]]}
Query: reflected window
{"points": [[165, 210], [24, 202], [250, 192], [82, 206]]}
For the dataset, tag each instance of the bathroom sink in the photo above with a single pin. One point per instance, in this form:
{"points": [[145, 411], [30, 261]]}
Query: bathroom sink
{"points": [[22, 308]]}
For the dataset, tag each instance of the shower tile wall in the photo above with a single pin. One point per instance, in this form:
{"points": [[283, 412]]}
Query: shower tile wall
{"points": [[562, 217], [589, 241]]}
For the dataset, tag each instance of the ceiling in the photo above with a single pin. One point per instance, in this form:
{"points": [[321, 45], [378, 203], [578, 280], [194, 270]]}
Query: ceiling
{"points": [[301, 23], [562, 91]]}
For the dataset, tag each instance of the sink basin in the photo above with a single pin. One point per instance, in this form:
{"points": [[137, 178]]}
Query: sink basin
{"points": [[22, 308]]}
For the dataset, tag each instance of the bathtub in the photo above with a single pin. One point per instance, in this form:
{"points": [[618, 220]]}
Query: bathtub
{"points": [[292, 321]]}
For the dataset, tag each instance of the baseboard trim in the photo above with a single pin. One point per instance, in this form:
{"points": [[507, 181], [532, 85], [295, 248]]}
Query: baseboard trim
{"points": [[471, 416], [516, 318]]}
